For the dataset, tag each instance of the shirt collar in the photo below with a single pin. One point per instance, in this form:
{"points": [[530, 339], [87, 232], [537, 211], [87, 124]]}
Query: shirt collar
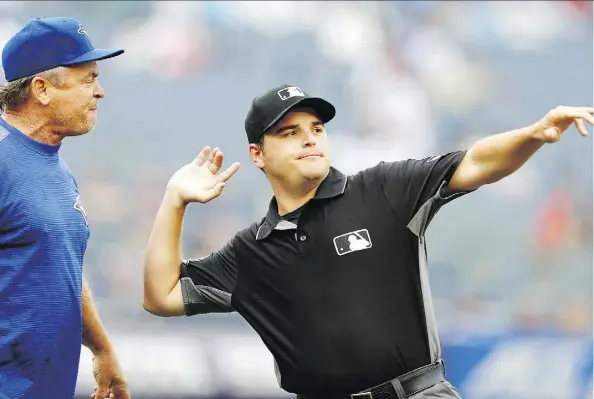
{"points": [[333, 185], [28, 141]]}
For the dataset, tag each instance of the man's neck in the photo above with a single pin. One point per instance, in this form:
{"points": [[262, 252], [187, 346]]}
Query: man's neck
{"points": [[288, 199], [287, 204], [32, 126]]}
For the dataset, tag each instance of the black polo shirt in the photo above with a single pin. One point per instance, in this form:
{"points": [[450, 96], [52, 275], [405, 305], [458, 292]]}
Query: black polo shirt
{"points": [[338, 291]]}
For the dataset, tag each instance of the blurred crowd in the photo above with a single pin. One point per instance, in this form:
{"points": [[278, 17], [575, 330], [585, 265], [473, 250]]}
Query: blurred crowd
{"points": [[409, 80]]}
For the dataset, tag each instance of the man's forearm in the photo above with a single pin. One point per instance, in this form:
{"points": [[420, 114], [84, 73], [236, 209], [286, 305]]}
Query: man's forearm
{"points": [[495, 157], [163, 253], [502, 154], [94, 334]]}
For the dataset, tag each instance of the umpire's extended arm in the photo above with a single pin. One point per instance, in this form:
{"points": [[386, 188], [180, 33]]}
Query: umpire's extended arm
{"points": [[495, 157]]}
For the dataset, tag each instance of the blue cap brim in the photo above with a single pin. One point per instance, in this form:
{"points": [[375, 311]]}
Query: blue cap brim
{"points": [[95, 55]]}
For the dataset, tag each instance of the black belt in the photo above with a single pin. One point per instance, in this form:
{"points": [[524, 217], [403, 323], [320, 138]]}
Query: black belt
{"points": [[407, 384], [400, 387]]}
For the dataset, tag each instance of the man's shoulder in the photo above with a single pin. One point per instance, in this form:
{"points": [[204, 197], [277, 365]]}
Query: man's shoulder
{"points": [[8, 155], [366, 176], [249, 233], [378, 171], [3, 134], [6, 144]]}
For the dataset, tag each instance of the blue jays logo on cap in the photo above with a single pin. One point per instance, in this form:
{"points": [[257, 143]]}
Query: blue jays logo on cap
{"points": [[82, 31], [46, 43]]}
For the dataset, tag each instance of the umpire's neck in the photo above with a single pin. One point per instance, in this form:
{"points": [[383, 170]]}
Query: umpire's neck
{"points": [[291, 197]]}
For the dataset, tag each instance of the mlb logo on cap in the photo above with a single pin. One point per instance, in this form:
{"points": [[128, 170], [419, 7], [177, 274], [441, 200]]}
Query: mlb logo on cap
{"points": [[269, 107], [289, 92]]}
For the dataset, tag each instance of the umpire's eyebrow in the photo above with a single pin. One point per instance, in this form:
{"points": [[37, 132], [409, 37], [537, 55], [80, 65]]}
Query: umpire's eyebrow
{"points": [[291, 127], [283, 128]]}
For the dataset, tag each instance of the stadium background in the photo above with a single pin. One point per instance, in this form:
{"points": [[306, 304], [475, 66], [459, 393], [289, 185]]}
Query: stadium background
{"points": [[511, 265]]}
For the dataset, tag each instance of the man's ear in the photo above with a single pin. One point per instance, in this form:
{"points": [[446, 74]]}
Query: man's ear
{"points": [[257, 155], [40, 90]]}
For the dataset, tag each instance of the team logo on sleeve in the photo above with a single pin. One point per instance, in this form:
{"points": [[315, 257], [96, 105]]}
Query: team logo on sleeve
{"points": [[351, 242], [79, 207]]}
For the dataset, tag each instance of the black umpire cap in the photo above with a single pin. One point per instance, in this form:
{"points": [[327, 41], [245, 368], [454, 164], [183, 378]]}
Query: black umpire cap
{"points": [[271, 106]]}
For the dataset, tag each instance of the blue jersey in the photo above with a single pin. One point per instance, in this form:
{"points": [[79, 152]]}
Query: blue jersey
{"points": [[43, 238]]}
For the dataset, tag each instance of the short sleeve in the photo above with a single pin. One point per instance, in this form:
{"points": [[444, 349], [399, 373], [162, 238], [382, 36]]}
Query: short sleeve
{"points": [[207, 283], [413, 184]]}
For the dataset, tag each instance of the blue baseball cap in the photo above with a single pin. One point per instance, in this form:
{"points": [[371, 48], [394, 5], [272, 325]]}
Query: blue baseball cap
{"points": [[46, 43]]}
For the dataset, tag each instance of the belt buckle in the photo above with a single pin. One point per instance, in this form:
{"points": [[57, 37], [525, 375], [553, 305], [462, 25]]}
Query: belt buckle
{"points": [[362, 395]]}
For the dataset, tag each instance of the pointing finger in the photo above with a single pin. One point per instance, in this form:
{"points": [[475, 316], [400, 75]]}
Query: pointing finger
{"points": [[226, 175]]}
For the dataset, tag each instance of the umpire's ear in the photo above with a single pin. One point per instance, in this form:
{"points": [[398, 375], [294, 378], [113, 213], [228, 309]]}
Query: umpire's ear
{"points": [[257, 154]]}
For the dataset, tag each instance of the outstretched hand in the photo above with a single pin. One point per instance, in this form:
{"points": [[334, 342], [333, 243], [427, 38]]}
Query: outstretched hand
{"points": [[558, 120], [199, 181]]}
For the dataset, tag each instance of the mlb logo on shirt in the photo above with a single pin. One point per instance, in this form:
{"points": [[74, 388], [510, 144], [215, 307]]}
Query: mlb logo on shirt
{"points": [[289, 92], [351, 242]]}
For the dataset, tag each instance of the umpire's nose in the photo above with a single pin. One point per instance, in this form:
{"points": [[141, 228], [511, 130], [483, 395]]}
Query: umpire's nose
{"points": [[310, 139]]}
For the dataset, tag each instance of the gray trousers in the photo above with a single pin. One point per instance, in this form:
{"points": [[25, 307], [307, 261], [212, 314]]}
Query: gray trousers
{"points": [[443, 390]]}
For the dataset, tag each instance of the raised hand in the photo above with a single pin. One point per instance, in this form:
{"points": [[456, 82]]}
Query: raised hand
{"points": [[561, 118], [199, 181]]}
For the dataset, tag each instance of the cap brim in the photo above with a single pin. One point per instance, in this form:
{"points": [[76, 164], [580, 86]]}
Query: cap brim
{"points": [[95, 55], [323, 108]]}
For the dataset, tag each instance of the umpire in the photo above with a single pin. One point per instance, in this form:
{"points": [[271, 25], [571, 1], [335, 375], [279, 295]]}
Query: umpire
{"points": [[334, 278]]}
